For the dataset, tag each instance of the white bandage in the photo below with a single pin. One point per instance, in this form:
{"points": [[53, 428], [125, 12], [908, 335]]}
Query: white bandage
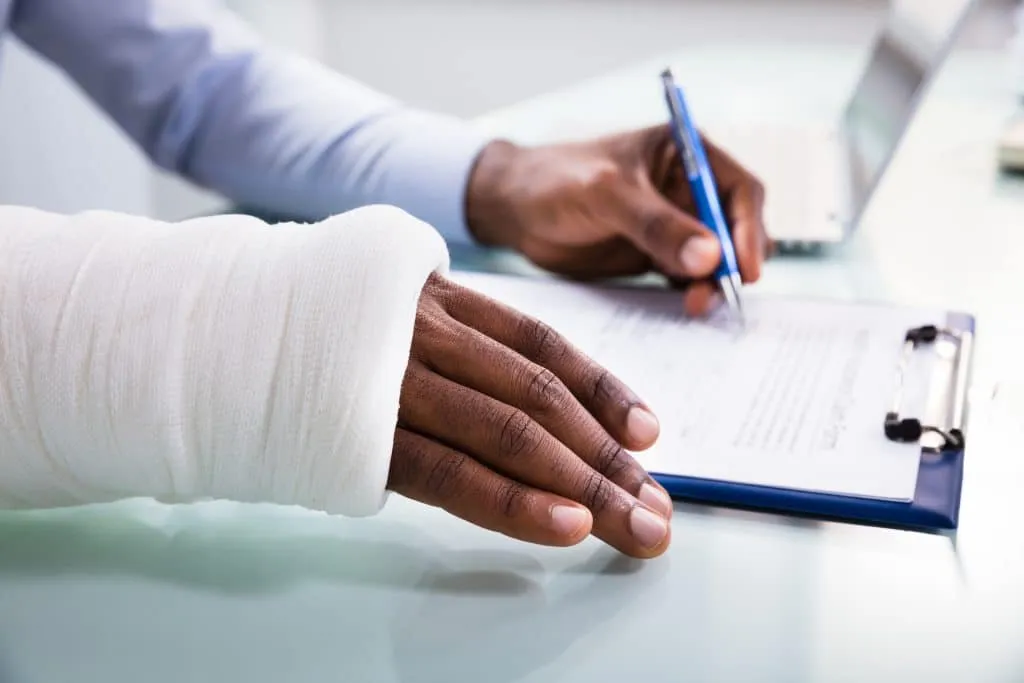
{"points": [[215, 358]]}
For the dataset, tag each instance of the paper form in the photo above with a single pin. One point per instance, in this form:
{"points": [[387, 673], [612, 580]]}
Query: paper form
{"points": [[795, 401]]}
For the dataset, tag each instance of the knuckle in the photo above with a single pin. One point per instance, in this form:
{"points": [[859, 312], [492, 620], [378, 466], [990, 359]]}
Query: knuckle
{"points": [[518, 435], [603, 388], [511, 499], [655, 229], [442, 295], [427, 324], [435, 332], [414, 385], [540, 342], [611, 460], [757, 188], [604, 176], [443, 480], [597, 493], [439, 286], [544, 390]]}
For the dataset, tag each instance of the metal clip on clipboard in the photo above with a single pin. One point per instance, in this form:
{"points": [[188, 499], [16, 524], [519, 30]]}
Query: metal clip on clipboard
{"points": [[933, 438]]}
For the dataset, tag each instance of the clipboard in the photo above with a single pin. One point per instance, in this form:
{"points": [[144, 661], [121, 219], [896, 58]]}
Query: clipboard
{"points": [[936, 502]]}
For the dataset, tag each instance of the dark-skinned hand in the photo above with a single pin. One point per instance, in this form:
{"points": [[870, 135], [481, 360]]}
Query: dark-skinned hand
{"points": [[615, 206], [505, 424]]}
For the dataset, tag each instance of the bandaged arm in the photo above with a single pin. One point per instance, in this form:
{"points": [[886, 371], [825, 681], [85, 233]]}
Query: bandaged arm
{"points": [[216, 358]]}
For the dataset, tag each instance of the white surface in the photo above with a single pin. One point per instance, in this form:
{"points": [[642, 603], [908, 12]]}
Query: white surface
{"points": [[792, 400], [142, 592]]}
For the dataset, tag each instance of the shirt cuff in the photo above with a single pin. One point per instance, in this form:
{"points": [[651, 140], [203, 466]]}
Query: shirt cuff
{"points": [[429, 165]]}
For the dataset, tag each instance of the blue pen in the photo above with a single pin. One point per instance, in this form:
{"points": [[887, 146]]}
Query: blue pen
{"points": [[705, 192]]}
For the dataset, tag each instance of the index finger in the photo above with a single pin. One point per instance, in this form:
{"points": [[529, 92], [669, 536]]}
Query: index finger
{"points": [[744, 198], [614, 405]]}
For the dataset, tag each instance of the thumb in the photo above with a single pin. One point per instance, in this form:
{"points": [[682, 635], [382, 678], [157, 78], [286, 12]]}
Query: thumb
{"points": [[677, 242]]}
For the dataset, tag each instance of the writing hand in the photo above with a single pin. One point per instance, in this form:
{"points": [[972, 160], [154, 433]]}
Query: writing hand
{"points": [[614, 206]]}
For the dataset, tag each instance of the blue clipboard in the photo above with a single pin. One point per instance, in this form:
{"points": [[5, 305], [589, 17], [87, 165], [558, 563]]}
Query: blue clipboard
{"points": [[936, 503]]}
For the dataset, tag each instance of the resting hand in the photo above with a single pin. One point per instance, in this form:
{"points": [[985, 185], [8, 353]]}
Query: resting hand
{"points": [[506, 425], [615, 206]]}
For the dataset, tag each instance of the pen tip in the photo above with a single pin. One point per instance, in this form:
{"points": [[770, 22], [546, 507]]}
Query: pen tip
{"points": [[731, 290]]}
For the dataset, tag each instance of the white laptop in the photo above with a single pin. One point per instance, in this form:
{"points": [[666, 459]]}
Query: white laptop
{"points": [[819, 180]]}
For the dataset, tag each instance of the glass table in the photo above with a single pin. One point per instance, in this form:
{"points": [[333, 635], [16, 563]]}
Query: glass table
{"points": [[217, 592]]}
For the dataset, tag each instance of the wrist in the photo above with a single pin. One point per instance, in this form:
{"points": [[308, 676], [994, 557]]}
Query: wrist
{"points": [[490, 195]]}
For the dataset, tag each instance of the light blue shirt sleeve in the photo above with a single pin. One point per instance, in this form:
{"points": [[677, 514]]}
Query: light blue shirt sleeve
{"points": [[205, 97]]}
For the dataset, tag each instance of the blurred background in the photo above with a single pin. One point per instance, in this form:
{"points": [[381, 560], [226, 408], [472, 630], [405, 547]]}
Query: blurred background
{"points": [[464, 57]]}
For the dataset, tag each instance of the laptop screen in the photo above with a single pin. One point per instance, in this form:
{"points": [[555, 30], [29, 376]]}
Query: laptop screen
{"points": [[909, 50]]}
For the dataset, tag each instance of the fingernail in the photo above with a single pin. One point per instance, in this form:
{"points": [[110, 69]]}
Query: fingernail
{"points": [[642, 425], [567, 520], [655, 498], [699, 256], [648, 528]]}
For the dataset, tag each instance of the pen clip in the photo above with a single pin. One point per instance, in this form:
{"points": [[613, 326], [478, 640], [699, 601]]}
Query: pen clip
{"points": [[679, 125]]}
